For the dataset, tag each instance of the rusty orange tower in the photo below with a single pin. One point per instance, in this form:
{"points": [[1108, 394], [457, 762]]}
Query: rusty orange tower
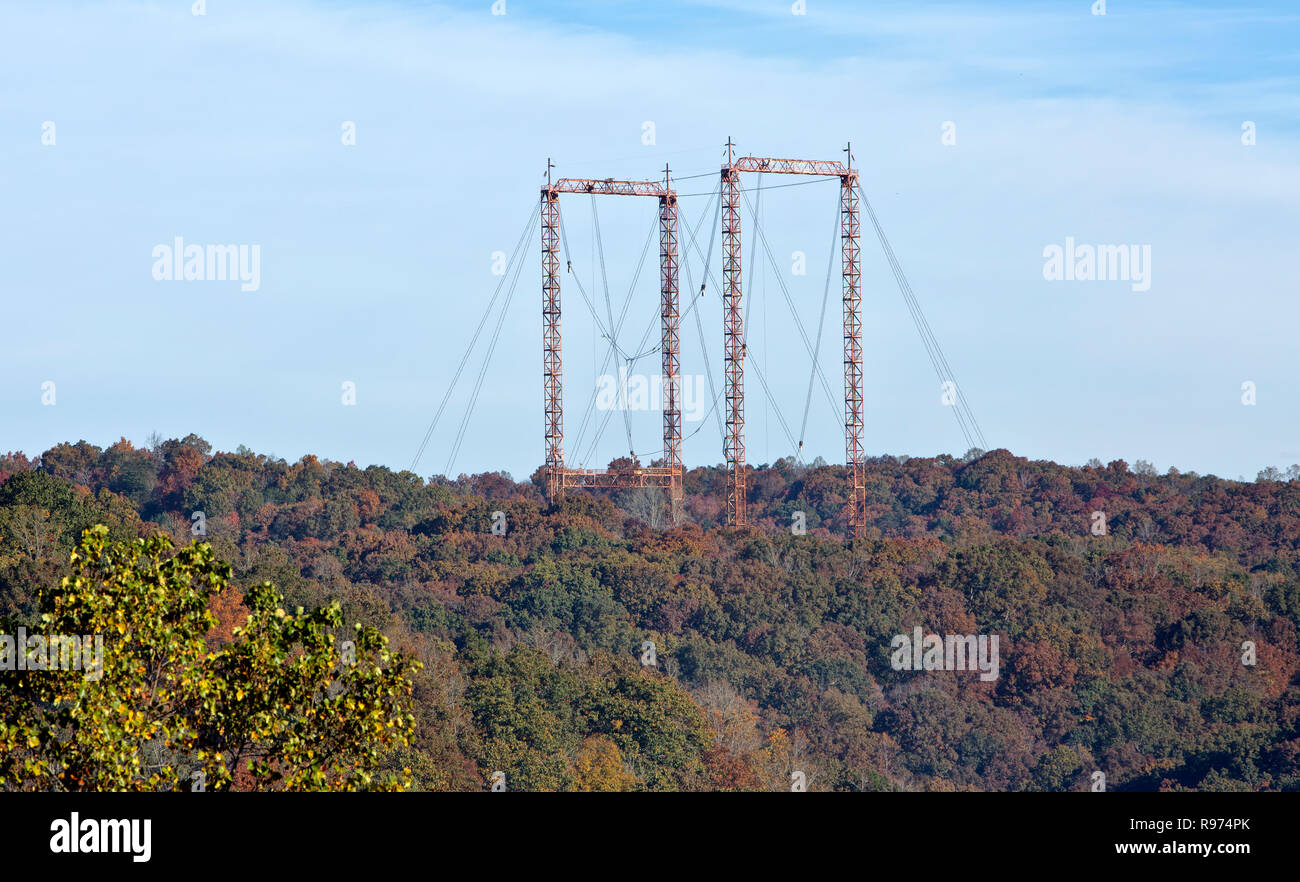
{"points": [[669, 475], [733, 348], [734, 326]]}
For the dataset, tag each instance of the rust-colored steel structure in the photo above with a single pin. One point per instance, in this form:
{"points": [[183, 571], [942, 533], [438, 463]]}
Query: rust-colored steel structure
{"points": [[669, 475], [733, 341], [734, 328]]}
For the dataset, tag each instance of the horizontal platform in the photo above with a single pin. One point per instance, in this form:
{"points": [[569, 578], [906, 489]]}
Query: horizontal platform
{"points": [[644, 476]]}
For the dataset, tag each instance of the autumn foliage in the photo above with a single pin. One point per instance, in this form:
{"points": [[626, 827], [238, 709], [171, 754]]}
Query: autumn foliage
{"points": [[1123, 650]]}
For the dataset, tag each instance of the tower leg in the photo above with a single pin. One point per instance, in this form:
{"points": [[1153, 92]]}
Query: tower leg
{"points": [[553, 381], [668, 265], [850, 256], [733, 347]]}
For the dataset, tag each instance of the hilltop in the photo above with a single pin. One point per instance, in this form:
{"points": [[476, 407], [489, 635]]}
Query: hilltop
{"points": [[1123, 649]]}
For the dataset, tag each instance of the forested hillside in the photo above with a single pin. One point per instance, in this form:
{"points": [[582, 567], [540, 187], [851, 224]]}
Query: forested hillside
{"points": [[1121, 653]]}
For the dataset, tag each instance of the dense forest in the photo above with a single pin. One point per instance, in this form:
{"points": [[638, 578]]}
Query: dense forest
{"points": [[1147, 623]]}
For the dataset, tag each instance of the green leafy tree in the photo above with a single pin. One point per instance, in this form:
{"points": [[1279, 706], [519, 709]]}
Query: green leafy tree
{"points": [[284, 705]]}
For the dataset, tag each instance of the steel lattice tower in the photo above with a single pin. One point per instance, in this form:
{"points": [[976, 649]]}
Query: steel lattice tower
{"points": [[851, 268], [671, 472], [851, 264], [670, 345], [558, 477], [733, 342], [553, 374]]}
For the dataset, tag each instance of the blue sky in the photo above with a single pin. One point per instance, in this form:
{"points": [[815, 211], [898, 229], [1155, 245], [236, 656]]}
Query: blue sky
{"points": [[376, 258]]}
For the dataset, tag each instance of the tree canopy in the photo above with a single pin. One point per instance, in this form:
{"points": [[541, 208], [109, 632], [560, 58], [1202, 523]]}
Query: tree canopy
{"points": [[1159, 648]]}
